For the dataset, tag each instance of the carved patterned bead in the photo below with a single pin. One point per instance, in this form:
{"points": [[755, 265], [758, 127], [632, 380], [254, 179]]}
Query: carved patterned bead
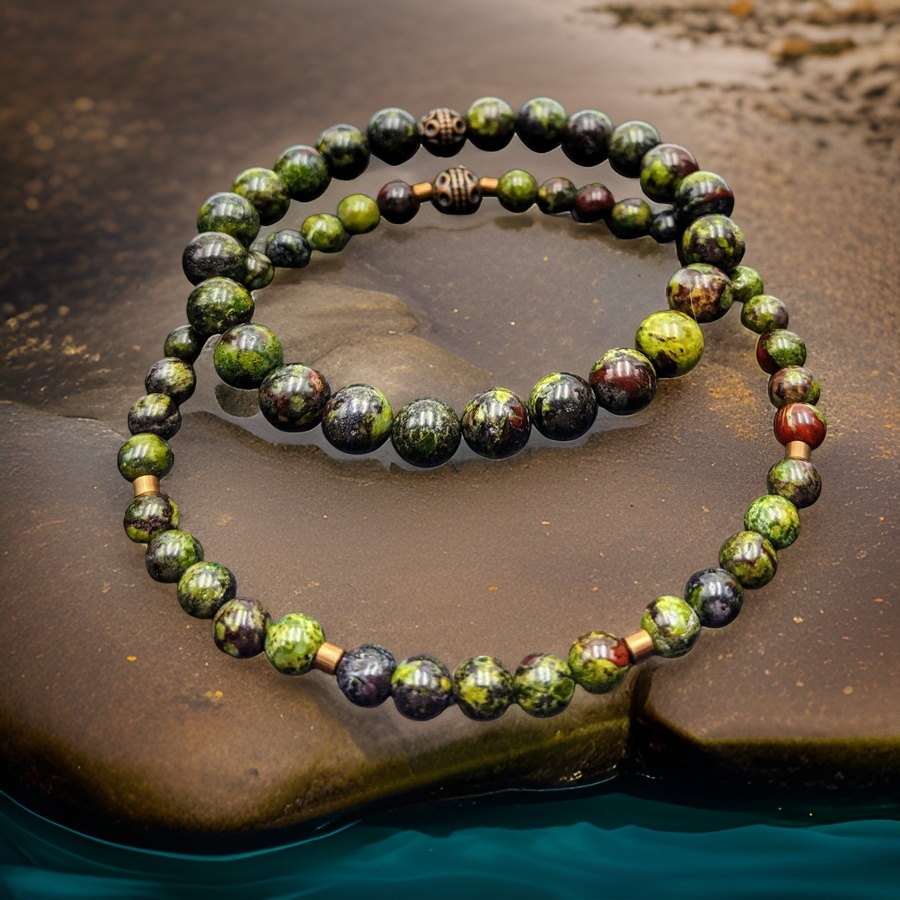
{"points": [[443, 131], [456, 192]]}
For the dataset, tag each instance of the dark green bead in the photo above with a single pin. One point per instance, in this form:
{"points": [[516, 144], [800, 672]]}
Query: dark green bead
{"points": [[293, 397], [325, 233], [630, 218], [346, 150], [204, 587], [746, 282], [422, 687], [599, 661], [260, 271], [764, 313], [795, 480], [495, 423], [701, 291], [517, 190], [586, 138], [145, 454], [245, 354], [543, 685], [556, 196], [713, 239], [490, 123], [305, 172], [183, 343], [482, 688], [715, 595], [155, 414], [775, 518], [288, 249], [662, 169], [171, 376], [793, 384], [702, 194], [628, 144], [240, 627], [672, 341], [150, 515], [359, 214], [541, 124], [779, 348], [214, 253], [357, 419], [664, 226], [750, 557], [231, 214], [624, 381], [171, 553], [266, 190], [217, 304], [672, 624], [426, 433], [292, 642], [393, 135], [562, 406], [364, 674]]}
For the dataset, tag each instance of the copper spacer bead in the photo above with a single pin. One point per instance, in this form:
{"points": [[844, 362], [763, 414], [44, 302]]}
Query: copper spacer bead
{"points": [[146, 484], [327, 657], [488, 186], [423, 190], [797, 450], [640, 646]]}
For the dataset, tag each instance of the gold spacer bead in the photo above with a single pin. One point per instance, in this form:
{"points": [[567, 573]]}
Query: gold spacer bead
{"points": [[488, 186], [327, 657], [797, 450], [146, 484], [640, 646], [423, 190]]}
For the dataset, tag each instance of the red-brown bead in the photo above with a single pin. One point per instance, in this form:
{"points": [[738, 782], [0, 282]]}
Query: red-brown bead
{"points": [[800, 422]]}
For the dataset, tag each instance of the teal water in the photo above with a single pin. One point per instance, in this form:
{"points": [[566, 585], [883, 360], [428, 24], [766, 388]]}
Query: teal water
{"points": [[612, 845]]}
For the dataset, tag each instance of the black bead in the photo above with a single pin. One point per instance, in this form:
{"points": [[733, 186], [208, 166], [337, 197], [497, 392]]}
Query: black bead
{"points": [[393, 135], [715, 595], [664, 226], [364, 675], [586, 138], [288, 249]]}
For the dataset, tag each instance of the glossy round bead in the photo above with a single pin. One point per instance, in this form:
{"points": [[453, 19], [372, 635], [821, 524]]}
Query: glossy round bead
{"points": [[599, 661], [702, 194], [800, 422], [214, 253], [562, 406], [750, 557], [171, 553], [150, 515], [154, 414], [442, 132], [204, 587], [541, 124], [324, 232], [292, 642], [171, 376], [217, 304], [422, 687], [293, 397], [586, 138], [245, 354], [715, 595], [240, 626], [779, 348], [746, 282], [795, 480], [232, 214], [662, 169], [288, 249], [364, 674], [393, 135], [482, 688], [664, 226], [397, 203], [793, 384], [556, 196], [764, 313], [266, 190], [517, 190], [145, 454], [490, 123], [495, 423], [183, 343], [672, 341], [456, 192], [260, 271], [713, 239], [426, 433], [305, 172], [593, 203], [358, 214], [357, 419], [672, 624], [701, 291], [775, 518], [630, 218], [624, 381], [346, 150], [543, 685], [628, 144]]}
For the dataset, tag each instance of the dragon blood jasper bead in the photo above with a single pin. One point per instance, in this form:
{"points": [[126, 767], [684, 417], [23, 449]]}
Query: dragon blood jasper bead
{"points": [[672, 341], [358, 214], [701, 291], [325, 233], [715, 595], [750, 557], [155, 414], [364, 674], [214, 253], [245, 354], [793, 384], [800, 422], [229, 214], [599, 661], [288, 249], [357, 419], [292, 642], [393, 135], [456, 192], [183, 343], [171, 376], [293, 397], [764, 313], [442, 131], [260, 271], [701, 194], [517, 190], [775, 518], [746, 282], [150, 515], [171, 553], [779, 348], [628, 144], [543, 685], [664, 227], [556, 196], [593, 203], [240, 627], [397, 203], [346, 151], [672, 624], [562, 406], [630, 218], [713, 239], [541, 124], [266, 190], [145, 454], [422, 687], [426, 433], [483, 688], [218, 304], [586, 138], [662, 169], [490, 123], [305, 172], [795, 480], [624, 381], [204, 587], [495, 423]]}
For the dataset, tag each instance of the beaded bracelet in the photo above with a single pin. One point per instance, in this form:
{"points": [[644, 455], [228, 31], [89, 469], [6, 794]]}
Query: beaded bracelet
{"points": [[226, 265]]}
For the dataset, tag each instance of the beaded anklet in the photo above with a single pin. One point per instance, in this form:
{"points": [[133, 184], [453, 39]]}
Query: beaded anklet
{"points": [[226, 265]]}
